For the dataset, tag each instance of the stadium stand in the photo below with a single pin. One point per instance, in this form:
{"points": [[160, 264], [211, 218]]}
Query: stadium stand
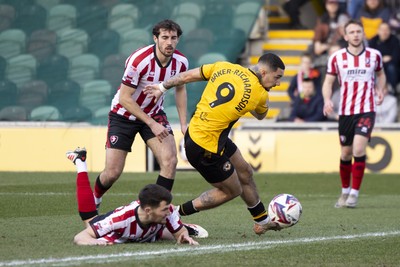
{"points": [[31, 17], [32, 95], [7, 16], [13, 113], [8, 93], [21, 69], [104, 43], [62, 45], [53, 69], [12, 43], [61, 17], [42, 44], [45, 113], [64, 94]]}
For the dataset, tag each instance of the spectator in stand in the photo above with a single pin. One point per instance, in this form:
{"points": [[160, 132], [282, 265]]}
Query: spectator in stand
{"points": [[373, 13], [325, 32], [389, 46], [387, 111], [309, 105], [306, 71], [292, 8], [353, 6]]}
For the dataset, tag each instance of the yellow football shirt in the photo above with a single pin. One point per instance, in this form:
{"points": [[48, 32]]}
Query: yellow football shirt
{"points": [[231, 92]]}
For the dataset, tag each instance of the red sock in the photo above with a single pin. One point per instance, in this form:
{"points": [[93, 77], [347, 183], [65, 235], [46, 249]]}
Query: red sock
{"points": [[358, 172], [345, 173], [84, 194], [99, 189]]}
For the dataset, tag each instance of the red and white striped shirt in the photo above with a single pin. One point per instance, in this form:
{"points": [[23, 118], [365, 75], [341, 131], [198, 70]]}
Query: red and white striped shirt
{"points": [[122, 225], [356, 76], [143, 68]]}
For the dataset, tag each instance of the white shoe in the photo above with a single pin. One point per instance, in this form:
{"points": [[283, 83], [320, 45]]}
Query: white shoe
{"points": [[341, 203], [97, 201], [196, 230], [78, 153], [352, 201]]}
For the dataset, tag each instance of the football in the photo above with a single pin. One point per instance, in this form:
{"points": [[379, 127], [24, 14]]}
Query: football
{"points": [[285, 210]]}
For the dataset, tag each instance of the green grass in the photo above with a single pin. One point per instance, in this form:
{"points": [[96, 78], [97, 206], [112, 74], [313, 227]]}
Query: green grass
{"points": [[38, 219]]}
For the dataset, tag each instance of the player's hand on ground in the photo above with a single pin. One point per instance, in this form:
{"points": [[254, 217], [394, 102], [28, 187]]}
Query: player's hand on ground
{"points": [[152, 90], [185, 239], [98, 242]]}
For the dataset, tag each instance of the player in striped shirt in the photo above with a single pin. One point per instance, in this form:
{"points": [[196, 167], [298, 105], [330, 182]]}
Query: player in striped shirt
{"points": [[359, 70], [132, 113], [148, 219]]}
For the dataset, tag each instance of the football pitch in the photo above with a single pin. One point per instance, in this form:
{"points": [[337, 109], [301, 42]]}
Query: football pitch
{"points": [[38, 219]]}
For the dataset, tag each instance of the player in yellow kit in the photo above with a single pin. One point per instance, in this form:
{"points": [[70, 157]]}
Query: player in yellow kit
{"points": [[231, 92]]}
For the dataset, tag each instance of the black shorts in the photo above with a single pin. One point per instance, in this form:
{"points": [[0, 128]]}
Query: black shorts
{"points": [[122, 131], [361, 124], [213, 167]]}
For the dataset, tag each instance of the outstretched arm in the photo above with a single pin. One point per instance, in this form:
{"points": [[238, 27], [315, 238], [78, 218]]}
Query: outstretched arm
{"points": [[182, 237], [88, 237], [156, 90]]}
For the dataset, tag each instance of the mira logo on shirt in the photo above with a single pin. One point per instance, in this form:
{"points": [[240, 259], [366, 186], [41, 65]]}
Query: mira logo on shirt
{"points": [[356, 71]]}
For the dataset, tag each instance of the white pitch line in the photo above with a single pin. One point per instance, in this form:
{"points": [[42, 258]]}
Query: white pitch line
{"points": [[141, 255]]}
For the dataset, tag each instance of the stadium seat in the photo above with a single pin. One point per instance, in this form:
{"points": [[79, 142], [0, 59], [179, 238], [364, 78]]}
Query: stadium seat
{"points": [[32, 94], [196, 43], [12, 43], [208, 58], [155, 10], [100, 116], [3, 67], [48, 4], [187, 22], [31, 17], [92, 18], [112, 69], [64, 95], [104, 43], [53, 69], [193, 9], [8, 93], [245, 15], [45, 113], [21, 69], [77, 114], [13, 113], [95, 96], [123, 17], [42, 44], [98, 87], [7, 16], [133, 39], [61, 17], [84, 68], [72, 42]]}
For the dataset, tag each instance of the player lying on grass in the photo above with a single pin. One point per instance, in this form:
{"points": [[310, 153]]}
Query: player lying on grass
{"points": [[150, 218]]}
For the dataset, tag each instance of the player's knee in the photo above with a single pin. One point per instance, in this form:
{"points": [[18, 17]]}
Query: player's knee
{"points": [[111, 174], [246, 173], [169, 163]]}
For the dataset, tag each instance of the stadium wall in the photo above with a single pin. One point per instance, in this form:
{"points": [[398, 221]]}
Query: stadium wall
{"points": [[41, 147]]}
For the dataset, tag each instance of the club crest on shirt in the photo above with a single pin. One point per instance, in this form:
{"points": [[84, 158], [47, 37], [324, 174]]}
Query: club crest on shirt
{"points": [[113, 139], [173, 73], [367, 62]]}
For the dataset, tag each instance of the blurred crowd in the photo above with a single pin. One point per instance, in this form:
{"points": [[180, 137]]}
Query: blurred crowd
{"points": [[381, 21]]}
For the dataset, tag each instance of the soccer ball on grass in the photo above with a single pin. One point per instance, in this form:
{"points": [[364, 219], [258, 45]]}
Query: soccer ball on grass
{"points": [[285, 210]]}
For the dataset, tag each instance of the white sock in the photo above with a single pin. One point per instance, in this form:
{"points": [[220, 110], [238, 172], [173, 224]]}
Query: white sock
{"points": [[80, 166], [354, 192], [346, 190]]}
